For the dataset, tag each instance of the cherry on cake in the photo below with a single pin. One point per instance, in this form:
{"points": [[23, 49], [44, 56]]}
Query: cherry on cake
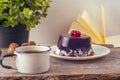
{"points": [[74, 44]]}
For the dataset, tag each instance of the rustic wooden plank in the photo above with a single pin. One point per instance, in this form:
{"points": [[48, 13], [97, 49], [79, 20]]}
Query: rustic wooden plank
{"points": [[106, 68], [88, 77]]}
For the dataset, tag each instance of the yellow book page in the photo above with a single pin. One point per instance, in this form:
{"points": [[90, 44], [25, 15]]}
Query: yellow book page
{"points": [[77, 26], [93, 35], [93, 28], [103, 23]]}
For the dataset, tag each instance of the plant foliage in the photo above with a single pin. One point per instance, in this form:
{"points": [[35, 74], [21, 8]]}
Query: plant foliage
{"points": [[24, 12]]}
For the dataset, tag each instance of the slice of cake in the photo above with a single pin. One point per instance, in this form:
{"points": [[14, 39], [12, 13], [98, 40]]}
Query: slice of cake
{"points": [[74, 44]]}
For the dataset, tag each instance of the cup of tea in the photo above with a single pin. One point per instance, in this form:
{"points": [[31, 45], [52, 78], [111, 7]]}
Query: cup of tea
{"points": [[30, 59]]}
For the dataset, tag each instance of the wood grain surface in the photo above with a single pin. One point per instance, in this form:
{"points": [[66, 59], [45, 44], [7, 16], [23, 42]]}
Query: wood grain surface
{"points": [[105, 68]]}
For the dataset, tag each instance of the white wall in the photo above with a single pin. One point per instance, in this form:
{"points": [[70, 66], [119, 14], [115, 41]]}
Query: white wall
{"points": [[63, 12]]}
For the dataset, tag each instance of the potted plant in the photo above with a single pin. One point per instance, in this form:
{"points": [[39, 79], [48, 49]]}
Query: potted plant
{"points": [[17, 17]]}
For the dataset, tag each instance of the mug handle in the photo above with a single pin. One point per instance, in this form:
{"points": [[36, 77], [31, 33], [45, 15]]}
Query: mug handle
{"points": [[2, 58]]}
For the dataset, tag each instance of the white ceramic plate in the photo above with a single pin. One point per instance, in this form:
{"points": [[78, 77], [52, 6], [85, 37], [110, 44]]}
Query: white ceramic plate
{"points": [[100, 51]]}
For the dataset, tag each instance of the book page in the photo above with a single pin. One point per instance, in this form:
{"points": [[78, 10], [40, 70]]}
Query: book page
{"points": [[90, 24], [103, 22]]}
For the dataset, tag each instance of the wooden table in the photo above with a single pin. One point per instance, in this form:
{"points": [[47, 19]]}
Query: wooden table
{"points": [[106, 68]]}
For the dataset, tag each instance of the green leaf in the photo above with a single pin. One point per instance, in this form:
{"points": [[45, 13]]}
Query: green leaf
{"points": [[27, 13], [21, 3], [21, 18], [3, 1]]}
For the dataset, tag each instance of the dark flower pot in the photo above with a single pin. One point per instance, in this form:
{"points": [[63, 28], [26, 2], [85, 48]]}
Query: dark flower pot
{"points": [[18, 34]]}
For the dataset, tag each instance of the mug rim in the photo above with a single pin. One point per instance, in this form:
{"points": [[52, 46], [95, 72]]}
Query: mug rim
{"points": [[18, 52]]}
